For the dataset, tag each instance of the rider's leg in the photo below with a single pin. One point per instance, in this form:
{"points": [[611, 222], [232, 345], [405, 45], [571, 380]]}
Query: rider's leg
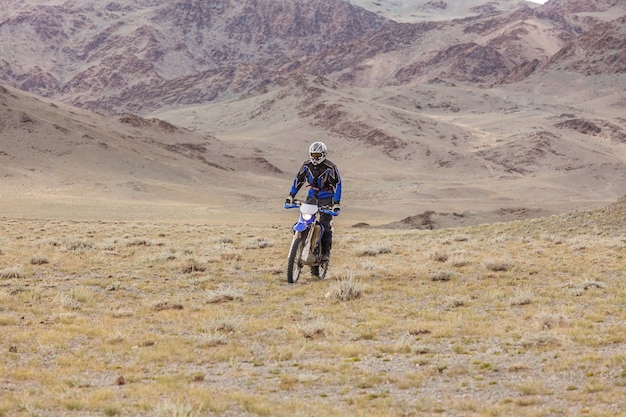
{"points": [[327, 237]]}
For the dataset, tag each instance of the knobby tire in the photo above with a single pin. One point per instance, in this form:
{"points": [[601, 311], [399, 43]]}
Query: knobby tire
{"points": [[323, 269], [295, 252]]}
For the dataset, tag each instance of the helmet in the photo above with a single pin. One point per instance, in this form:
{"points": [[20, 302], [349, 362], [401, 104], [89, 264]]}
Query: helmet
{"points": [[317, 152]]}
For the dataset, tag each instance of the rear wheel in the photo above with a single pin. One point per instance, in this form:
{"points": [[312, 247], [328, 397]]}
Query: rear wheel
{"points": [[323, 268], [294, 265]]}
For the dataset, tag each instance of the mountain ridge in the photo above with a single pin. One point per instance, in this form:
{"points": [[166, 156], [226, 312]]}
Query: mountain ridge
{"points": [[138, 57]]}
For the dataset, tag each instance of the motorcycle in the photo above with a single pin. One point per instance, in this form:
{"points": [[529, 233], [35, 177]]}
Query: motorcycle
{"points": [[306, 245]]}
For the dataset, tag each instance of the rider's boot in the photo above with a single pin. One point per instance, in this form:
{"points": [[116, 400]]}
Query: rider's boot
{"points": [[326, 245]]}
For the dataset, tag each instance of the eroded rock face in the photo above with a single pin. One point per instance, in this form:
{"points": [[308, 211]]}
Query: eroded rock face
{"points": [[601, 50], [139, 56], [131, 53]]}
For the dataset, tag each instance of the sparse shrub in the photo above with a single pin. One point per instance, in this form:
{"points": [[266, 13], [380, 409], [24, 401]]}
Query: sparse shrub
{"points": [[502, 238], [518, 366], [225, 323], [545, 322], [579, 289], [439, 256], [77, 244], [345, 290], [225, 250], [456, 303], [521, 298], [50, 242], [441, 276], [231, 256], [532, 388], [110, 245], [540, 340], [120, 313], [192, 265], [369, 265], [197, 377], [315, 329], [112, 411], [458, 261], [139, 242], [588, 285], [402, 344], [594, 385], [557, 240], [117, 337], [7, 321], [224, 294], [167, 255], [499, 266], [373, 250], [68, 302], [169, 409], [258, 243], [167, 305], [211, 339], [422, 349], [11, 273], [579, 243], [38, 260]]}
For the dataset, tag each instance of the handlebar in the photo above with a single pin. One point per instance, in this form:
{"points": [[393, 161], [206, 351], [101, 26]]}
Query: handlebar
{"points": [[332, 213], [323, 209]]}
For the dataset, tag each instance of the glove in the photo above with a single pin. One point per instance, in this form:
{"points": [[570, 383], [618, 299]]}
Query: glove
{"points": [[289, 200], [336, 207]]}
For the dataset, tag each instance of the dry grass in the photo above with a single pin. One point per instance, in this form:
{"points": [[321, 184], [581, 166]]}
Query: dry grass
{"points": [[134, 319]]}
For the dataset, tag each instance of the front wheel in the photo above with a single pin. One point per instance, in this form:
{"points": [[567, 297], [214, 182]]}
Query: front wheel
{"points": [[293, 264]]}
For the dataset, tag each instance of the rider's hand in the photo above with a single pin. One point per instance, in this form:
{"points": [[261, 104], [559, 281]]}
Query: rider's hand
{"points": [[336, 207], [289, 200]]}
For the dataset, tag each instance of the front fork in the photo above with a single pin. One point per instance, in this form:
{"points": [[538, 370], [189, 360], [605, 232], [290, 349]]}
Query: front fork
{"points": [[314, 243]]}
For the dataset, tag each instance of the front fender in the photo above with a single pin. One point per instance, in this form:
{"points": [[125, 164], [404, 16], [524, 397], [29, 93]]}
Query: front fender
{"points": [[300, 227]]}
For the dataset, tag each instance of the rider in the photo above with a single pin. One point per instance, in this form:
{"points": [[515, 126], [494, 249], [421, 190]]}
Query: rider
{"points": [[324, 181]]}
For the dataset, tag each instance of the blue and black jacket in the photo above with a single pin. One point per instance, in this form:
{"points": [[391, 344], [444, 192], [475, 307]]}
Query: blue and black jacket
{"points": [[323, 179]]}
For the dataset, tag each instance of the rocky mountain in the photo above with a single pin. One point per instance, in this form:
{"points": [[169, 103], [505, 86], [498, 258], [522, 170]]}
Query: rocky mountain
{"points": [[141, 56], [600, 50], [492, 104]]}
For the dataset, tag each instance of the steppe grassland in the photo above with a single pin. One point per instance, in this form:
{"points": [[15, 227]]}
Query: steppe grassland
{"points": [[104, 318]]}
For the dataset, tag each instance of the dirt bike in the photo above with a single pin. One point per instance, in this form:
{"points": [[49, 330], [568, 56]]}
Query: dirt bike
{"points": [[306, 245]]}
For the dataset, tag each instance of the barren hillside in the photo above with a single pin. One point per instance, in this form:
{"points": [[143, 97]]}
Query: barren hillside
{"points": [[56, 158], [491, 106]]}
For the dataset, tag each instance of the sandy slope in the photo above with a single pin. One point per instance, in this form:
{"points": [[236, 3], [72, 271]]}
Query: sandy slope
{"points": [[465, 150], [435, 148]]}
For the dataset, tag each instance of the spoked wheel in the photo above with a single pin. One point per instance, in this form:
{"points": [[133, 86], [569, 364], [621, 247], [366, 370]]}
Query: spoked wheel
{"points": [[294, 265]]}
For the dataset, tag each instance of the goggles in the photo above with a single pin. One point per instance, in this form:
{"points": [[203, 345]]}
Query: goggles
{"points": [[316, 154]]}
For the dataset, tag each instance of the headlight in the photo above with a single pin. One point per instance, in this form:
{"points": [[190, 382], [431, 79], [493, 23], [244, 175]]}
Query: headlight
{"points": [[307, 217]]}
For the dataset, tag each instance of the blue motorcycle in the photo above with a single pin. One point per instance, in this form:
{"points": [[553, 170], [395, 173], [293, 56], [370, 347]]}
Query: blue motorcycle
{"points": [[306, 245]]}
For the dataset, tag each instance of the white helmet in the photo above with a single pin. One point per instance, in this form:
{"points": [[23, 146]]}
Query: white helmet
{"points": [[317, 152]]}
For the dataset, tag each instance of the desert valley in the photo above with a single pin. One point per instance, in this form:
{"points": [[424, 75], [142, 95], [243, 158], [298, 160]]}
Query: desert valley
{"points": [[147, 147]]}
